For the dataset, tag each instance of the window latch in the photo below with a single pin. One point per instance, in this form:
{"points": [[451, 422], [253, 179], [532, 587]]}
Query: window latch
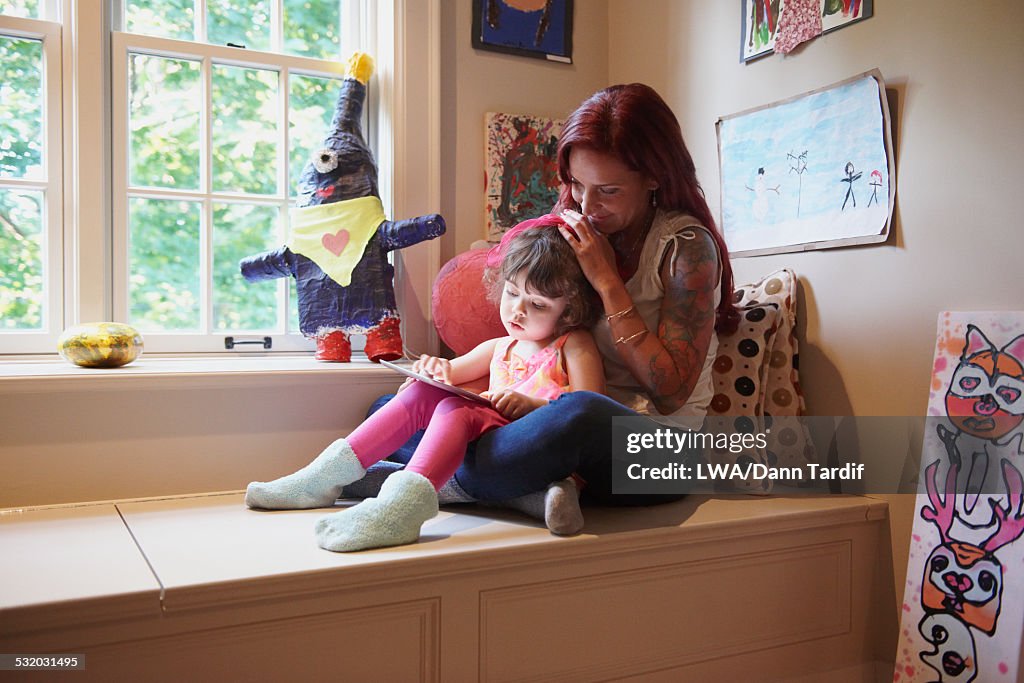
{"points": [[231, 342]]}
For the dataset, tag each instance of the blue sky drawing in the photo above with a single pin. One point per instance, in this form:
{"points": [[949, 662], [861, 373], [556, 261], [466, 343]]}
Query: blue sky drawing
{"points": [[835, 127]]}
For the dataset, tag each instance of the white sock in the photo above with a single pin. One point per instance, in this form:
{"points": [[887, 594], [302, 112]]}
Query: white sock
{"points": [[406, 501], [318, 484]]}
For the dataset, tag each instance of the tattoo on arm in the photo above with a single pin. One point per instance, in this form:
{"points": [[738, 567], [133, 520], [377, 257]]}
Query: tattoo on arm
{"points": [[687, 320]]}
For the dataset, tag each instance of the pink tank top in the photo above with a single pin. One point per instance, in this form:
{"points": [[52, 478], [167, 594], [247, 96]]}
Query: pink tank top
{"points": [[542, 375]]}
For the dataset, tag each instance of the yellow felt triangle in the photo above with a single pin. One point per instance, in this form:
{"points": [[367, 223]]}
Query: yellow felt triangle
{"points": [[334, 236]]}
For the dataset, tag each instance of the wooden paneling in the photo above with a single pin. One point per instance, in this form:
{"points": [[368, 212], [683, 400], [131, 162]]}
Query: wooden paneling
{"points": [[398, 642], [664, 617]]}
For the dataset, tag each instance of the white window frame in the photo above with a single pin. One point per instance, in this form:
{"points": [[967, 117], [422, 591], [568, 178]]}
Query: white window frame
{"points": [[403, 36], [51, 184], [123, 46]]}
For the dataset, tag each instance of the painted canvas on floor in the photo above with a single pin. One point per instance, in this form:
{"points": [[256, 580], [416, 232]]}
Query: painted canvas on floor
{"points": [[810, 172], [964, 596], [521, 169]]}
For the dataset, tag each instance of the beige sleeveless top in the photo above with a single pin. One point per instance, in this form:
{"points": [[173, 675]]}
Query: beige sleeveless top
{"points": [[646, 289]]}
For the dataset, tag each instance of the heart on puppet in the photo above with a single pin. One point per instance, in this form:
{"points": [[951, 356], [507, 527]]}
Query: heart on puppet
{"points": [[337, 242]]}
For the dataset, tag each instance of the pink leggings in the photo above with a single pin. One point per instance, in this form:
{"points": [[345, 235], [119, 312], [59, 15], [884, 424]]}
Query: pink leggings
{"points": [[451, 423]]}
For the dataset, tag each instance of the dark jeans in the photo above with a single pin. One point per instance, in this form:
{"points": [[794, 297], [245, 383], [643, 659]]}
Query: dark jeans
{"points": [[573, 433]]}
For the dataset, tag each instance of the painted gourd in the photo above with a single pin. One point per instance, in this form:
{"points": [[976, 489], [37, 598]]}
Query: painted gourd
{"points": [[100, 345]]}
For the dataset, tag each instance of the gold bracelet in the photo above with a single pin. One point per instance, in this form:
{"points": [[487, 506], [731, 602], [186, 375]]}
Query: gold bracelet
{"points": [[623, 340], [621, 314]]}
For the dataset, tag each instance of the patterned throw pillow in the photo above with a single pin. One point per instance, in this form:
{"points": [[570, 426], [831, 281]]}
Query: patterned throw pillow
{"points": [[782, 401], [738, 375]]}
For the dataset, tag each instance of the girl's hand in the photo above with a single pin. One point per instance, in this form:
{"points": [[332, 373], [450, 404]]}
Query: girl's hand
{"points": [[593, 250], [512, 405], [405, 385], [438, 368]]}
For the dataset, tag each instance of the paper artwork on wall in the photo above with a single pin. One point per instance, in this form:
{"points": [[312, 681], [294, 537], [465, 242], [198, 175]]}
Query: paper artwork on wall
{"points": [[521, 169], [836, 14], [781, 25], [799, 23], [964, 596], [810, 172], [760, 24]]}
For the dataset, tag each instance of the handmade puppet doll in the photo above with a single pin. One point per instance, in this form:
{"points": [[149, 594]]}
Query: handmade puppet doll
{"points": [[339, 239]]}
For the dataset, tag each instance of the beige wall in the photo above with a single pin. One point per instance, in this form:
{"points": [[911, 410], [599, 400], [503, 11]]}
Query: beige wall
{"points": [[475, 82], [868, 314], [956, 235]]}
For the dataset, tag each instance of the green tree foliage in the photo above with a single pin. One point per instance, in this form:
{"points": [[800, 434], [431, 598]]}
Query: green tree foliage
{"points": [[21, 150], [311, 28], [20, 8], [239, 23], [165, 103], [166, 239], [21, 261], [164, 18], [240, 230], [245, 130], [163, 256]]}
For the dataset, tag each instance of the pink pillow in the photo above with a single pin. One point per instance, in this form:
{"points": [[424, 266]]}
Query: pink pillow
{"points": [[463, 315]]}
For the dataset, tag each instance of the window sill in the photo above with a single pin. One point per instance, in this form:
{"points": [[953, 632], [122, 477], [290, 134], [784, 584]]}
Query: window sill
{"points": [[46, 375]]}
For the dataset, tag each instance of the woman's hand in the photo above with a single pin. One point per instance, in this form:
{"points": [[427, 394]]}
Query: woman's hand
{"points": [[593, 250], [438, 368], [513, 405]]}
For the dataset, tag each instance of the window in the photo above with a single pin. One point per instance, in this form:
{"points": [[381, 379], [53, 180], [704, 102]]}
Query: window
{"points": [[31, 283], [213, 123], [142, 153]]}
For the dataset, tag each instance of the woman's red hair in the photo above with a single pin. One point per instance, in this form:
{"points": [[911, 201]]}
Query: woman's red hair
{"points": [[634, 124]]}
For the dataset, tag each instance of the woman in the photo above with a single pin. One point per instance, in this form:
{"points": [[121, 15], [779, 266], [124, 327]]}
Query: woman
{"points": [[646, 241]]}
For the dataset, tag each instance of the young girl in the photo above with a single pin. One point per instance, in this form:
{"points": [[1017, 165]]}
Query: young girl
{"points": [[546, 304]]}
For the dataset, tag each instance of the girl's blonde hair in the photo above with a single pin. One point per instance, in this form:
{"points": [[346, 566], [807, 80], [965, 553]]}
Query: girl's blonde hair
{"points": [[550, 268]]}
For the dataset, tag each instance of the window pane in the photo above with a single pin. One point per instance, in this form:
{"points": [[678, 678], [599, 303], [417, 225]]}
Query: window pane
{"points": [[21, 260], [20, 8], [241, 22], [312, 28], [241, 230], [245, 114], [164, 18], [310, 109], [21, 108], [164, 98], [163, 257]]}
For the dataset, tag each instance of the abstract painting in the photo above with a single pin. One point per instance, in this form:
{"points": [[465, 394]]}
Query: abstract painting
{"points": [[521, 169], [530, 28], [836, 14], [760, 24], [810, 172], [964, 596]]}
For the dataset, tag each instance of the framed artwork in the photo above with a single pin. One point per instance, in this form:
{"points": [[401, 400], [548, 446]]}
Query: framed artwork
{"points": [[760, 24], [780, 25], [529, 28], [964, 595], [810, 172], [521, 169], [836, 14]]}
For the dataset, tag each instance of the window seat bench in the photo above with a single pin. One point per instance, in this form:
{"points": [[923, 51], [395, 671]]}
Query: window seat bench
{"points": [[199, 588]]}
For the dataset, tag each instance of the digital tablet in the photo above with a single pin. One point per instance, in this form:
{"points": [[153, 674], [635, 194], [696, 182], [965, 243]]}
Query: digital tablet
{"points": [[435, 383]]}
